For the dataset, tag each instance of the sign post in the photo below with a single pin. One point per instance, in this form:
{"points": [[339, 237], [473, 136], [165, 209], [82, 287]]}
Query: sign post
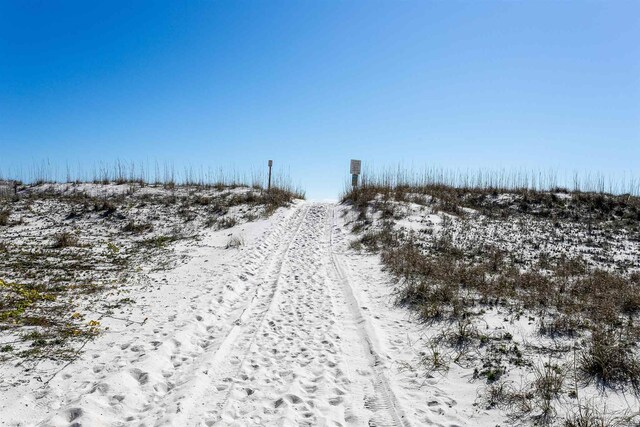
{"points": [[269, 184], [356, 166]]}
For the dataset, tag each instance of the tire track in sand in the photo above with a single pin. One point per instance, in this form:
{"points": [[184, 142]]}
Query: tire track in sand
{"points": [[378, 395], [309, 361], [212, 389], [292, 372]]}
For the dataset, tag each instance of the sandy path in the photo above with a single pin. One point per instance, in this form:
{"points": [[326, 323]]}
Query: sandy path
{"points": [[279, 333], [298, 357]]}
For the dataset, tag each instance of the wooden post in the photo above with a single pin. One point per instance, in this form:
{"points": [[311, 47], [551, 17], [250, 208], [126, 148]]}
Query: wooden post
{"points": [[15, 188], [354, 180], [269, 184]]}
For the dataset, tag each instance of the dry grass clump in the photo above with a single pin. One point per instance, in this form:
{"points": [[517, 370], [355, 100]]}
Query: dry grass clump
{"points": [[587, 414], [4, 217], [273, 199], [64, 240], [537, 400], [234, 242], [280, 196], [559, 325], [137, 228], [610, 359], [226, 222], [534, 399]]}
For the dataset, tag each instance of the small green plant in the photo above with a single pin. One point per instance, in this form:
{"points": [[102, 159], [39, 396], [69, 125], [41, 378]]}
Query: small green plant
{"points": [[493, 374], [435, 359], [20, 298]]}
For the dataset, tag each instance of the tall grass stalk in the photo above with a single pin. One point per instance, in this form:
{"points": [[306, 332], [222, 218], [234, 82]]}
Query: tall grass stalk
{"points": [[149, 173], [499, 180]]}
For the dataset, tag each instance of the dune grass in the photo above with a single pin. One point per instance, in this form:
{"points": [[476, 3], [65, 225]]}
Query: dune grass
{"points": [[502, 244], [64, 246]]}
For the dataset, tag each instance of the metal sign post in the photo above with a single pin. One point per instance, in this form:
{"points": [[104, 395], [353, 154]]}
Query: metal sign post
{"points": [[269, 184], [356, 167]]}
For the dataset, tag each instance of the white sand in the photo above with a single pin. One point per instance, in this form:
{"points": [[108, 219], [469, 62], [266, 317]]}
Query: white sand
{"points": [[289, 330]]}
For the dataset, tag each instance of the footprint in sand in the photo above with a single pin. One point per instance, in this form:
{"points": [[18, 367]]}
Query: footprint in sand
{"points": [[73, 414], [335, 401], [293, 399], [101, 387], [116, 399], [311, 389], [140, 376]]}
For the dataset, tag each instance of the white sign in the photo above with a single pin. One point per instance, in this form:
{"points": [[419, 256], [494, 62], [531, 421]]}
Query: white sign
{"points": [[356, 165]]}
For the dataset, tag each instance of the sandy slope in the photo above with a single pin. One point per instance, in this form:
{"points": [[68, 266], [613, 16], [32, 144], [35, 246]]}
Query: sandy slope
{"points": [[288, 330]]}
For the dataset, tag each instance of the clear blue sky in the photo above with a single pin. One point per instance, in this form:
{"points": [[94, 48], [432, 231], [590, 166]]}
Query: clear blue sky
{"points": [[467, 84]]}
